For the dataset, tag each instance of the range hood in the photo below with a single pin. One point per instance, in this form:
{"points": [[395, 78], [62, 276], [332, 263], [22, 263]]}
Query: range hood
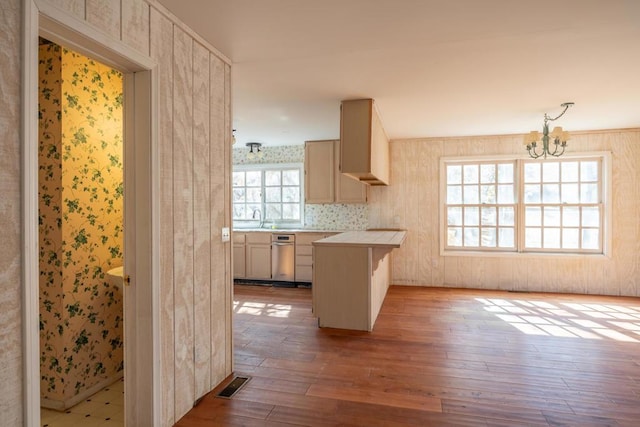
{"points": [[364, 146]]}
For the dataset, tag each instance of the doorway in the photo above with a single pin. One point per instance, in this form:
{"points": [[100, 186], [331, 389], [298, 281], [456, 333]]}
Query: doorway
{"points": [[140, 169], [81, 237]]}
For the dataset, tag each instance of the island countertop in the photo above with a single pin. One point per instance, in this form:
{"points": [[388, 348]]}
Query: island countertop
{"points": [[371, 239]]}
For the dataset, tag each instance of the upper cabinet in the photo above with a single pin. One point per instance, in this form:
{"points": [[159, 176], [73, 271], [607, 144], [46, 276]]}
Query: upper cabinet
{"points": [[348, 189], [364, 152], [323, 181], [319, 175]]}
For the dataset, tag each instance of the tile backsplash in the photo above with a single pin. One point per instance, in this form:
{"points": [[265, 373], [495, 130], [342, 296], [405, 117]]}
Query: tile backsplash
{"points": [[337, 216], [280, 154]]}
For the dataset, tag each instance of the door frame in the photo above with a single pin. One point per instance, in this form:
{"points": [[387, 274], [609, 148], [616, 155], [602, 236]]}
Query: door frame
{"points": [[141, 177]]}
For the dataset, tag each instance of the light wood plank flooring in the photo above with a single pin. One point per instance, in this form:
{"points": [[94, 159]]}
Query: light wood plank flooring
{"points": [[436, 357]]}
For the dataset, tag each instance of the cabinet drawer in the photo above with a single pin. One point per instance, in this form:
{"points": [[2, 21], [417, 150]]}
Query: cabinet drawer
{"points": [[304, 273], [306, 238], [304, 260], [304, 250], [259, 238]]}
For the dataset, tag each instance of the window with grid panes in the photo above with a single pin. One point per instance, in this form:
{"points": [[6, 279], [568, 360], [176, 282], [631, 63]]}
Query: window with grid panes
{"points": [[524, 205], [268, 193], [480, 206], [563, 206]]}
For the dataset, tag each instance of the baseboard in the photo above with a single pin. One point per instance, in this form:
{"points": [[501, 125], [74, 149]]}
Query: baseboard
{"points": [[63, 405]]}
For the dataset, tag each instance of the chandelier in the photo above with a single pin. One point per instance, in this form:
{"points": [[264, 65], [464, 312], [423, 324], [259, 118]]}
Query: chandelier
{"points": [[559, 137]]}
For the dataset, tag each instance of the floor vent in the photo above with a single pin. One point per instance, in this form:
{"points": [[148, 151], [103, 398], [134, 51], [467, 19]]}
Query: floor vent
{"points": [[233, 387]]}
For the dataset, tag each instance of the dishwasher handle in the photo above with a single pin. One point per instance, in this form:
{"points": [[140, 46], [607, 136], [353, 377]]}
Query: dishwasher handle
{"points": [[281, 243]]}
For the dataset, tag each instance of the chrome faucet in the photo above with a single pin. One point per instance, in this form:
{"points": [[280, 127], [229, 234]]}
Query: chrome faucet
{"points": [[259, 216]]}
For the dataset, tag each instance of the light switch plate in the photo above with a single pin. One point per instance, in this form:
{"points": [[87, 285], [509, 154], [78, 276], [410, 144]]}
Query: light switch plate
{"points": [[226, 234]]}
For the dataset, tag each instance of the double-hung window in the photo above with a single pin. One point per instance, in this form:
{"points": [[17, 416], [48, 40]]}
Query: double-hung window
{"points": [[525, 205], [480, 205], [563, 206], [268, 193]]}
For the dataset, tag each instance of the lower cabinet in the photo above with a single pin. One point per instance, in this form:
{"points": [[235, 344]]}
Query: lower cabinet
{"points": [[252, 255], [239, 259], [304, 255], [258, 256], [351, 283]]}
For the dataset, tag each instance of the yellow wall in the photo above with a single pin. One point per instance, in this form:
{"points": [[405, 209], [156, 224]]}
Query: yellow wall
{"points": [[81, 235]]}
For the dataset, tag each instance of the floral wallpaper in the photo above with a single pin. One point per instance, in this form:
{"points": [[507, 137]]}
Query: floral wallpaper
{"points": [[280, 154], [81, 223], [334, 216]]}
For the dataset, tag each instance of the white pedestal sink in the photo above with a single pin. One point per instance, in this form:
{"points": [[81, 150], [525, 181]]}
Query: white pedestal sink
{"points": [[115, 277]]}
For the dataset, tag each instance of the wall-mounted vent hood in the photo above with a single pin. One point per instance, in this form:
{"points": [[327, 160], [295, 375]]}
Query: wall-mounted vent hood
{"points": [[364, 146]]}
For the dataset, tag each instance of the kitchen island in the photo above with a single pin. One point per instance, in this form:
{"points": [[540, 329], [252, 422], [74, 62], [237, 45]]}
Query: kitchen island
{"points": [[351, 275]]}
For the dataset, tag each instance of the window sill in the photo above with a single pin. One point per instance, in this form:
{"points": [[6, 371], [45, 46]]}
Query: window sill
{"points": [[524, 255]]}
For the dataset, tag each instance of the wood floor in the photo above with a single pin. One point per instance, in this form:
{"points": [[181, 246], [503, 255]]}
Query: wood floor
{"points": [[436, 357]]}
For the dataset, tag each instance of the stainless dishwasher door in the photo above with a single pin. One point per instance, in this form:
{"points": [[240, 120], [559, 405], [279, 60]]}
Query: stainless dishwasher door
{"points": [[283, 257]]}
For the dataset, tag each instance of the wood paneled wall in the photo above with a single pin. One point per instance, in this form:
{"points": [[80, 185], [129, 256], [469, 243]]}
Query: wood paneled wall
{"points": [[195, 276], [194, 160], [413, 197], [10, 216]]}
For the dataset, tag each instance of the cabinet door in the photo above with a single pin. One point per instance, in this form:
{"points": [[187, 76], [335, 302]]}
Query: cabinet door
{"points": [[258, 262], [348, 189], [239, 271], [319, 171]]}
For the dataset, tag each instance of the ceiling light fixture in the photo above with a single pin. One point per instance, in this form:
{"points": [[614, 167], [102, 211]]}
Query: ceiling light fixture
{"points": [[254, 154], [560, 137]]}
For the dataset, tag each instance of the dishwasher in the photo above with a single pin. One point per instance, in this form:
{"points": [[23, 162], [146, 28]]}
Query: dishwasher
{"points": [[283, 257]]}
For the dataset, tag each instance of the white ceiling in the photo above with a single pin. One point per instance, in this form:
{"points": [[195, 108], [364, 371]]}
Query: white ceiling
{"points": [[434, 67]]}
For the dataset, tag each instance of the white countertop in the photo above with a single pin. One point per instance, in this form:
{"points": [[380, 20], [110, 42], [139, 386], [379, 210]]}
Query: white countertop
{"points": [[283, 230], [389, 239]]}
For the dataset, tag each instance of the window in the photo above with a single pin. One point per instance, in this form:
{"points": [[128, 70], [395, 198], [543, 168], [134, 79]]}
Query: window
{"points": [[481, 205], [524, 205], [268, 193], [563, 207]]}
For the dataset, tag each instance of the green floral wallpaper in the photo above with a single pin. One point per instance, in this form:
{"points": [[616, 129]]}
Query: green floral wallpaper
{"points": [[81, 232]]}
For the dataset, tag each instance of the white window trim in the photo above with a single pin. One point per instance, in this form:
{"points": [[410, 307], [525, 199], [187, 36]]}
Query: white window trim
{"points": [[271, 166], [493, 253]]}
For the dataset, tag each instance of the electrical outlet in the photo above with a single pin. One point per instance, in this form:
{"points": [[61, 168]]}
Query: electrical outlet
{"points": [[226, 234]]}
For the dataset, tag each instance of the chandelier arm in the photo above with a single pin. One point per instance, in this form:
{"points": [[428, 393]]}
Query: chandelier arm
{"points": [[533, 152], [560, 153], [566, 106]]}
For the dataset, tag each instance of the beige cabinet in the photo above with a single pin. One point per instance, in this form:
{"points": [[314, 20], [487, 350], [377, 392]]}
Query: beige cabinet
{"points": [[258, 256], [364, 151], [323, 181], [239, 258], [349, 285], [351, 275], [319, 172], [304, 254], [348, 189]]}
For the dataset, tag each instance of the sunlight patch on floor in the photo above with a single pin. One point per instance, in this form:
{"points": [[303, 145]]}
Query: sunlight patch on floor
{"points": [[262, 309], [567, 320]]}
